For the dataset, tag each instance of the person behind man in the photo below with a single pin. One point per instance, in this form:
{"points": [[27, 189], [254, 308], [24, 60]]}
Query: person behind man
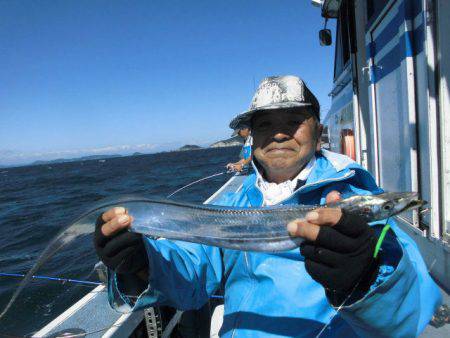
{"points": [[246, 152], [284, 294]]}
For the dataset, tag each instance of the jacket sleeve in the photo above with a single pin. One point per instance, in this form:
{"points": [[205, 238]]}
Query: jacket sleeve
{"points": [[181, 275], [403, 298]]}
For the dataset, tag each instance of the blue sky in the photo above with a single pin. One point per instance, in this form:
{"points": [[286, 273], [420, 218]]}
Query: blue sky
{"points": [[88, 76]]}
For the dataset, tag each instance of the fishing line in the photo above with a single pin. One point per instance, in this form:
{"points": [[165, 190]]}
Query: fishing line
{"points": [[63, 281], [169, 328], [69, 280], [55, 279], [197, 181], [380, 240]]}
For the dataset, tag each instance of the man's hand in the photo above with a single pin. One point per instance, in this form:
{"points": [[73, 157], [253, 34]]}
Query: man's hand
{"points": [[238, 166], [119, 249], [230, 166], [338, 250]]}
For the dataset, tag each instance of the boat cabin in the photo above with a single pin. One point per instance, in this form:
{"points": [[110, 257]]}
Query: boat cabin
{"points": [[390, 107]]}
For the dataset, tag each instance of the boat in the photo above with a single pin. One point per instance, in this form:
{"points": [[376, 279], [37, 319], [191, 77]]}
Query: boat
{"points": [[93, 315], [390, 112]]}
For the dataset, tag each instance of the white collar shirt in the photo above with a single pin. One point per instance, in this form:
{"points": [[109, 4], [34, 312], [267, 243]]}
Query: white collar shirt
{"points": [[274, 193]]}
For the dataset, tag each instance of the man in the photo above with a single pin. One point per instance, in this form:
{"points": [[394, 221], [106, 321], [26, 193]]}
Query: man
{"points": [[246, 152], [294, 293]]}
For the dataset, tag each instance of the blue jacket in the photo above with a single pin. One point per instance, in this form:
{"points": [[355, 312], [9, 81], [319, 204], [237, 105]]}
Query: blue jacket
{"points": [[272, 295]]}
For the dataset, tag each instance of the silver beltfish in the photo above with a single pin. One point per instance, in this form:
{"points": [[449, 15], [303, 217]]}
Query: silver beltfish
{"points": [[247, 229]]}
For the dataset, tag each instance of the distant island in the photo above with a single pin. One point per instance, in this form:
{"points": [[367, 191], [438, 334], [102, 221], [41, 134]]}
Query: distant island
{"points": [[84, 158], [189, 147], [229, 142]]}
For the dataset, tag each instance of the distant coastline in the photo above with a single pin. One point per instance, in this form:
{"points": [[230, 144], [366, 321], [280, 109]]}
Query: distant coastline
{"points": [[229, 142], [76, 159]]}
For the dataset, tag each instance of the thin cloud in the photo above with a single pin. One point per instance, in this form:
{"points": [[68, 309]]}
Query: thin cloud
{"points": [[10, 157]]}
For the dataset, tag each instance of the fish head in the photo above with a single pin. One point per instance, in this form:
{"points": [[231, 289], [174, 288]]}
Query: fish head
{"points": [[378, 207]]}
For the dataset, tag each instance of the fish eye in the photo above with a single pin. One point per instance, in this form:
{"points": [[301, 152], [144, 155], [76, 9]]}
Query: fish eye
{"points": [[388, 206]]}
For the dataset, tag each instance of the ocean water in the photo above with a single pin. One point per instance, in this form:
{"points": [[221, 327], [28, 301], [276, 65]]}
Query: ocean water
{"points": [[37, 201]]}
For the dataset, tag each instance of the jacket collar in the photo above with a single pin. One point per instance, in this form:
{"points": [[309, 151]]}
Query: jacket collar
{"points": [[288, 187], [329, 168]]}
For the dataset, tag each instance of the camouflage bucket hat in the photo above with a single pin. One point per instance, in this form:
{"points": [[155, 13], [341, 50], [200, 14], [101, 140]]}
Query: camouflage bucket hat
{"points": [[278, 93]]}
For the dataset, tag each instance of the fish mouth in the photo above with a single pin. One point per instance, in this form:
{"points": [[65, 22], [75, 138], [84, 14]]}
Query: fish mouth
{"points": [[412, 199], [408, 200], [415, 204]]}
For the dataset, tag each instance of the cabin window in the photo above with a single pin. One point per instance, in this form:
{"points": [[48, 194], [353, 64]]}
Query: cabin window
{"points": [[325, 141], [348, 143], [340, 131], [342, 52]]}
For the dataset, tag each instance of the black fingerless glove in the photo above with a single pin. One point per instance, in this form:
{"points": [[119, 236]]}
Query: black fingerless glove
{"points": [[341, 258], [123, 252]]}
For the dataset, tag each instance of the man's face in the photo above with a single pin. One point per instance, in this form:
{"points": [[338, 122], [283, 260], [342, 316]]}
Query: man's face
{"points": [[244, 132], [285, 141]]}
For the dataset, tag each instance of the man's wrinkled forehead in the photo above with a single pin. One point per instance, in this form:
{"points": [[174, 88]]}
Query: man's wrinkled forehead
{"points": [[282, 115]]}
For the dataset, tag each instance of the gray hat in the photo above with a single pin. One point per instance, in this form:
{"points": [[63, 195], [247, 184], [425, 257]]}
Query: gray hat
{"points": [[279, 93]]}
